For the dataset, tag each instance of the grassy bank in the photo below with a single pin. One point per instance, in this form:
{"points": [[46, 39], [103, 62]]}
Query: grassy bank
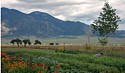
{"points": [[74, 61]]}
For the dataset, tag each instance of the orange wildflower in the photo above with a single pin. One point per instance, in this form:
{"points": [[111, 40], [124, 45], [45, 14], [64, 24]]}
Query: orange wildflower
{"points": [[3, 55], [40, 64], [13, 65], [9, 64], [6, 59], [32, 65], [58, 66], [20, 63]]}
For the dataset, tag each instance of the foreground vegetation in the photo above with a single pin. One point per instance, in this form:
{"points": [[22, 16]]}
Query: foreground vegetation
{"points": [[24, 60]]}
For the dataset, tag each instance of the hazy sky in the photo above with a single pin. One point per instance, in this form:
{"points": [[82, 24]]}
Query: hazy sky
{"points": [[74, 10]]}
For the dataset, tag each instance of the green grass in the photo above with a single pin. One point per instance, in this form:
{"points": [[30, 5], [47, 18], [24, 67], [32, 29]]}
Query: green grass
{"points": [[81, 62]]}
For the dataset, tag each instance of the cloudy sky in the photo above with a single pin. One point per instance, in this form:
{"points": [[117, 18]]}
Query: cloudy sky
{"points": [[74, 10]]}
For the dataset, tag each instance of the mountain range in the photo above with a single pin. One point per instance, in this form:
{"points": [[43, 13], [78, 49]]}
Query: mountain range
{"points": [[40, 24], [16, 23]]}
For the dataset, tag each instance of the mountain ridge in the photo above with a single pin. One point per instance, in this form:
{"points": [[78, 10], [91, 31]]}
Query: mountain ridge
{"points": [[40, 24]]}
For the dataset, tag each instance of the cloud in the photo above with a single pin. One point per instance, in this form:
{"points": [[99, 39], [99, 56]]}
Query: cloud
{"points": [[121, 26], [4, 29], [74, 10]]}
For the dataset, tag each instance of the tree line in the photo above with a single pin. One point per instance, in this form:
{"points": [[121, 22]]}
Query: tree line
{"points": [[25, 42]]}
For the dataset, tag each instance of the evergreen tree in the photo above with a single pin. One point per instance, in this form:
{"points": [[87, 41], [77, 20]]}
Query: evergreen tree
{"points": [[107, 23]]}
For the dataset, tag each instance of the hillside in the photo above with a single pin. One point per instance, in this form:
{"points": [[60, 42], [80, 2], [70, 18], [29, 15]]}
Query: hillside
{"points": [[39, 24]]}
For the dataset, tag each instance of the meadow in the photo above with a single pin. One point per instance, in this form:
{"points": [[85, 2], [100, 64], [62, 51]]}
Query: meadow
{"points": [[66, 39], [60, 60]]}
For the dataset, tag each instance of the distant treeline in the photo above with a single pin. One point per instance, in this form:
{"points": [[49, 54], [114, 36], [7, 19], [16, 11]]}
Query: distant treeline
{"points": [[27, 42]]}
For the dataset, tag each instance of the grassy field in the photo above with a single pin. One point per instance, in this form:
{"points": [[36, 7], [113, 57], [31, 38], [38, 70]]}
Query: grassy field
{"points": [[62, 61], [67, 40]]}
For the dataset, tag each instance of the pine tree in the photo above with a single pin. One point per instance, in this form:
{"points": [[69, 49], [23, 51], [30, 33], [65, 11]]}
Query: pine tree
{"points": [[107, 23]]}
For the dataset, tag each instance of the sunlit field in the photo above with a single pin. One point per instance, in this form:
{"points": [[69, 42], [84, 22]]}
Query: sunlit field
{"points": [[67, 40]]}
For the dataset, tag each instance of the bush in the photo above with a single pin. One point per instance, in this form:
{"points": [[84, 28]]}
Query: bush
{"points": [[51, 44]]}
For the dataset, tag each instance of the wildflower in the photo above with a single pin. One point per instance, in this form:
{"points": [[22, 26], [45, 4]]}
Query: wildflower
{"points": [[13, 66], [58, 66], [9, 64], [40, 64], [46, 67], [32, 65], [39, 71], [3, 55], [6, 59], [20, 62]]}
